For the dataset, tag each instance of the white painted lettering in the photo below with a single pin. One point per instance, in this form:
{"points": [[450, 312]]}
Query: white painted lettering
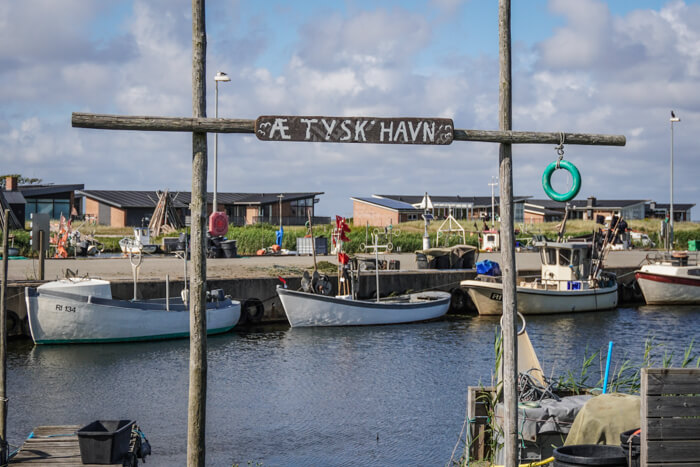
{"points": [[308, 122], [281, 126], [428, 132], [344, 127], [329, 128], [414, 132], [388, 131], [401, 130], [360, 130]]}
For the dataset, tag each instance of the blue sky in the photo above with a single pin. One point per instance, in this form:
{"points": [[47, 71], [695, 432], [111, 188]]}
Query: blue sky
{"points": [[593, 66]]}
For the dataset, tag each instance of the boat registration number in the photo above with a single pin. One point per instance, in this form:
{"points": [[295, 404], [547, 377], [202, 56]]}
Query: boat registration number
{"points": [[496, 296], [68, 308]]}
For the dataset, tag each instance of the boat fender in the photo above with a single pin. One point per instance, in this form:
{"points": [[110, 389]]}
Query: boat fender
{"points": [[253, 309], [547, 180], [12, 320], [458, 300]]}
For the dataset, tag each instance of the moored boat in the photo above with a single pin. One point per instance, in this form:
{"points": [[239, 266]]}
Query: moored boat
{"points": [[571, 281], [305, 309], [140, 243], [83, 311], [670, 278]]}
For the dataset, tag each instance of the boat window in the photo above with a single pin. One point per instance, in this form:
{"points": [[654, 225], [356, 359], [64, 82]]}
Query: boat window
{"points": [[549, 256], [576, 259], [564, 257], [694, 272]]}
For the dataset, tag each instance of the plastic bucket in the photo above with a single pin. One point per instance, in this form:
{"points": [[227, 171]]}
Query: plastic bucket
{"points": [[229, 249], [630, 450], [589, 454]]}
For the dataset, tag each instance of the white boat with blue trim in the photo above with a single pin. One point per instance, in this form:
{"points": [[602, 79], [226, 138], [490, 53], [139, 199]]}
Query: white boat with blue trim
{"points": [[83, 311], [571, 281]]}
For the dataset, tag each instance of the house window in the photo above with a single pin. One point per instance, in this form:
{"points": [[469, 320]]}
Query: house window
{"points": [[53, 207]]}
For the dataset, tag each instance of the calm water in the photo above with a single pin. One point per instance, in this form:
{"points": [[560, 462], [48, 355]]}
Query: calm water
{"points": [[384, 395]]}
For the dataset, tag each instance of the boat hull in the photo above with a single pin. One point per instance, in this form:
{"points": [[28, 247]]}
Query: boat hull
{"points": [[59, 318], [306, 310], [488, 298], [666, 287]]}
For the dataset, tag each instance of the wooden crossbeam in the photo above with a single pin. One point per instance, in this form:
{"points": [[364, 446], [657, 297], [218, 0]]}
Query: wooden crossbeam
{"points": [[239, 125]]}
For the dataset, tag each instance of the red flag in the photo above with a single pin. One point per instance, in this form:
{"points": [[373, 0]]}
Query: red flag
{"points": [[344, 237], [343, 258]]}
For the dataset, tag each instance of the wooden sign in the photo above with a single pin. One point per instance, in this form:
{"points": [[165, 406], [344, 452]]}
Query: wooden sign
{"points": [[355, 129]]}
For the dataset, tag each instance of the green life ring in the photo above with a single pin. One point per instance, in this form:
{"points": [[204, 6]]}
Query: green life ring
{"points": [[547, 185]]}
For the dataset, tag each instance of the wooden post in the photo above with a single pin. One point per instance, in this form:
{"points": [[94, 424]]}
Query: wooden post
{"points": [[198, 322], [3, 341], [510, 350], [42, 254]]}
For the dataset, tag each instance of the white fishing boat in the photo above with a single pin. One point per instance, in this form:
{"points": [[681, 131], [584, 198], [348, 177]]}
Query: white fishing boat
{"points": [[313, 305], [140, 243], [305, 309], [571, 281], [670, 278], [83, 310]]}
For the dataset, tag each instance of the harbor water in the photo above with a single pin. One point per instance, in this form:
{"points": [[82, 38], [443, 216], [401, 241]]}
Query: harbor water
{"points": [[371, 396]]}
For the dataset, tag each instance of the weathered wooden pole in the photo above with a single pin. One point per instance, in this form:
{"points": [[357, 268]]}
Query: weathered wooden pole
{"points": [[198, 317], [3, 340], [508, 321], [42, 253]]}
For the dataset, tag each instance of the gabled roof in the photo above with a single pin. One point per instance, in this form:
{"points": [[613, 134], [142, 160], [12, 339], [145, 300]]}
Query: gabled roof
{"points": [[387, 203], [581, 204], [181, 199], [445, 201], [30, 191]]}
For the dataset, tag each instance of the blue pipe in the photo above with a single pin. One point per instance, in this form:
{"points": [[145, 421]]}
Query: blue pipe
{"points": [[607, 368]]}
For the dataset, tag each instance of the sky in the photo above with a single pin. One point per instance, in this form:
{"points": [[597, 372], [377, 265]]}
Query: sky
{"points": [[583, 66]]}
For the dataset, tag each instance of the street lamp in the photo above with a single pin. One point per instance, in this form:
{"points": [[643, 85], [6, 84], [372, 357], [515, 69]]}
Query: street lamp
{"points": [[492, 184], [673, 120], [220, 76]]}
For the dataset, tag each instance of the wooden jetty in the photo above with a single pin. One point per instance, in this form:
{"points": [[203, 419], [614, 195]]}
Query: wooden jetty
{"points": [[57, 445]]}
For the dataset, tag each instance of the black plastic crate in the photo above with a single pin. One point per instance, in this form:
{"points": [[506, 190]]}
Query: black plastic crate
{"points": [[105, 441]]}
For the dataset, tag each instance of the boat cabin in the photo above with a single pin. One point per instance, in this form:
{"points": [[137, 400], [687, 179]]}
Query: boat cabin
{"points": [[490, 240], [142, 235], [565, 266]]}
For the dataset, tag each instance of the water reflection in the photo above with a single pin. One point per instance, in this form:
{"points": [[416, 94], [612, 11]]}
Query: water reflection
{"points": [[382, 395]]}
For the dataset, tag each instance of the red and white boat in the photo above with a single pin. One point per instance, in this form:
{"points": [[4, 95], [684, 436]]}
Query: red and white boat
{"points": [[670, 279]]}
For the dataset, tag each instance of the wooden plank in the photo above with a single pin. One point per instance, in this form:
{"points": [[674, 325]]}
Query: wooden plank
{"points": [[673, 428], [673, 406], [52, 445], [644, 421], [673, 381], [674, 451], [149, 123], [535, 137], [354, 129], [242, 125]]}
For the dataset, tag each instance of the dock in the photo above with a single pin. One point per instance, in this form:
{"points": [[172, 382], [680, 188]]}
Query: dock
{"points": [[56, 445]]}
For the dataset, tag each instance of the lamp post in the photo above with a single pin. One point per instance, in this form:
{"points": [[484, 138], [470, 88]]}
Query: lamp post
{"points": [[673, 120], [492, 184], [220, 76]]}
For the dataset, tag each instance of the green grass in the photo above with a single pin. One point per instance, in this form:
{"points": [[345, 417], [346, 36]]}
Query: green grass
{"points": [[409, 236]]}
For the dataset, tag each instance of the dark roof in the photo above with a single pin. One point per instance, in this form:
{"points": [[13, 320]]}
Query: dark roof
{"points": [[580, 204], [679, 207], [14, 197], [149, 199], [476, 201], [388, 203], [30, 191]]}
